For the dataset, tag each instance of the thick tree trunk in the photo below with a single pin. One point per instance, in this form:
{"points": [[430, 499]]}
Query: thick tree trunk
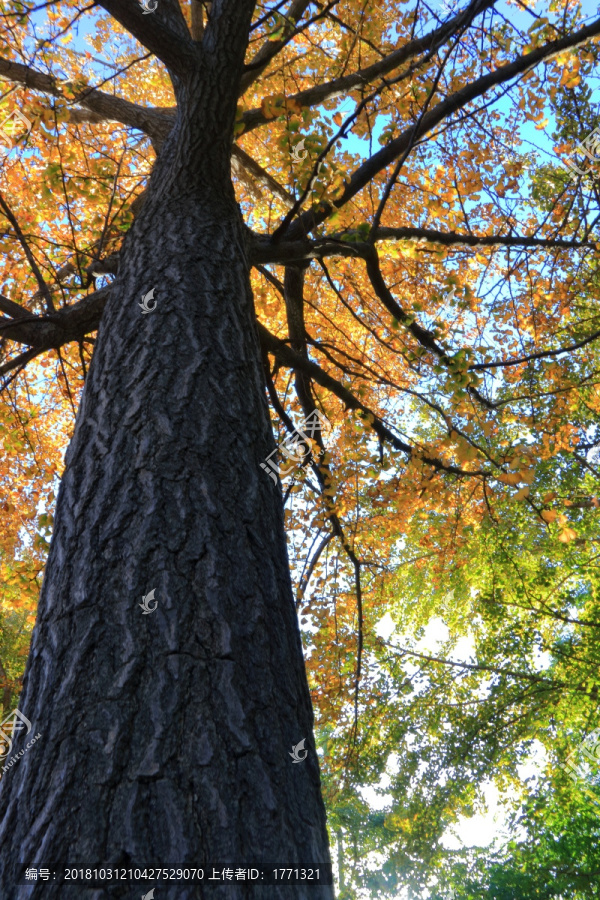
{"points": [[166, 737]]}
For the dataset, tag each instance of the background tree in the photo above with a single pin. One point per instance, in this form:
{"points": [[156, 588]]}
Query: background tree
{"points": [[415, 277]]}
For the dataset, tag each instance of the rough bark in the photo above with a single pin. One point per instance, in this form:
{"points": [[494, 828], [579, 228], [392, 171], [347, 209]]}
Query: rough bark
{"points": [[166, 738]]}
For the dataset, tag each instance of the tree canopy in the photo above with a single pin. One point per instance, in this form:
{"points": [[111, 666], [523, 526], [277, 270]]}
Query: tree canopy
{"points": [[425, 275]]}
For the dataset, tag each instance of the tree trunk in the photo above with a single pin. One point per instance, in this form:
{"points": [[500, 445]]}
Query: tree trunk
{"points": [[166, 737]]}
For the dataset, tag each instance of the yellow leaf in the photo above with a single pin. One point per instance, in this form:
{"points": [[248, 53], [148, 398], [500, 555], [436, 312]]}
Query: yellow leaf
{"points": [[549, 515], [520, 495], [271, 106], [509, 478]]}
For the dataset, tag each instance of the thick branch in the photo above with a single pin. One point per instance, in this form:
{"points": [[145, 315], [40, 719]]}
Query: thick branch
{"points": [[156, 122], [270, 49], [71, 323], [19, 361], [344, 245], [226, 34], [450, 238], [164, 32], [431, 41], [12, 309], [376, 163], [197, 15]]}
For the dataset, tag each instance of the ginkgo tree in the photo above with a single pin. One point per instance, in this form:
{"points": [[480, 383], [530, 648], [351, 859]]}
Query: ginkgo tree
{"points": [[514, 673], [225, 219]]}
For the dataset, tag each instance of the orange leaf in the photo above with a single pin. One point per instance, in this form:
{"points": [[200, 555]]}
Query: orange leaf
{"points": [[509, 478]]}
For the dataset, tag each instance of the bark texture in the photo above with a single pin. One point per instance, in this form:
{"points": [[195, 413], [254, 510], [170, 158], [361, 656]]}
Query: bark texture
{"points": [[166, 737]]}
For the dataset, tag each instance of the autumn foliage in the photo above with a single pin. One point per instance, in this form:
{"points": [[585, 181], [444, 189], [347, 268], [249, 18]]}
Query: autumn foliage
{"points": [[425, 274]]}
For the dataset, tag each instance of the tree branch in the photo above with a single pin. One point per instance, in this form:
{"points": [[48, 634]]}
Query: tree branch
{"points": [[270, 49], [197, 16], [227, 31], [376, 163], [19, 361], [44, 289], [164, 33], [307, 575], [402, 651], [71, 323], [12, 309], [240, 160], [156, 122], [450, 238], [425, 338], [347, 244], [542, 354], [292, 360], [434, 39]]}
